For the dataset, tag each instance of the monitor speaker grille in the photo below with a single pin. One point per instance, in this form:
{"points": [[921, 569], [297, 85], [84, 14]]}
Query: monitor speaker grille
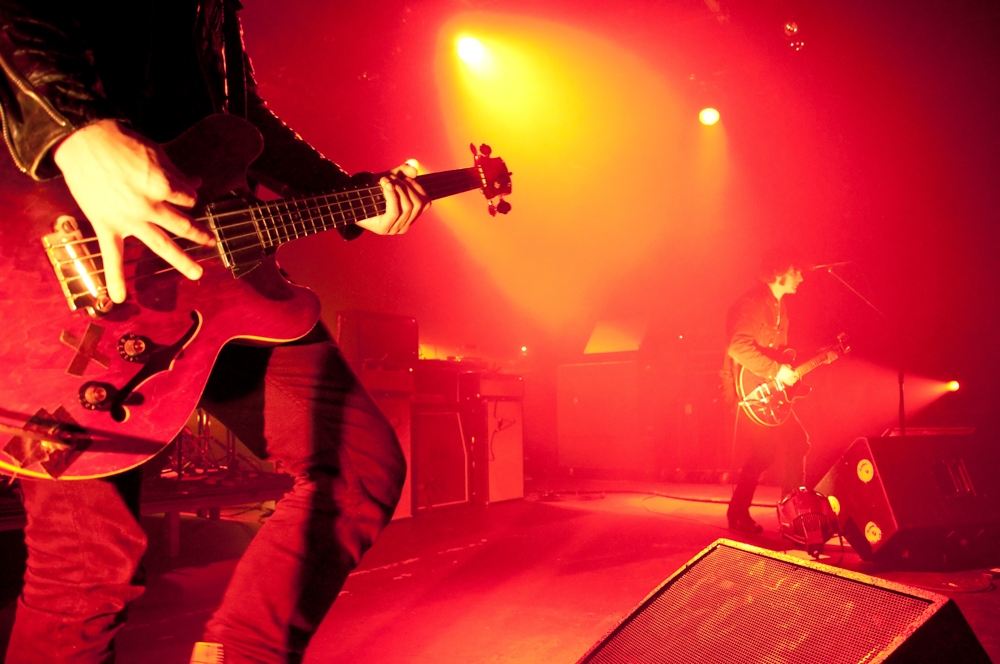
{"points": [[736, 606]]}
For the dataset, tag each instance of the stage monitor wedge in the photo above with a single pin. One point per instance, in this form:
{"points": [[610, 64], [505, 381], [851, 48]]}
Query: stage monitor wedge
{"points": [[920, 500], [738, 603]]}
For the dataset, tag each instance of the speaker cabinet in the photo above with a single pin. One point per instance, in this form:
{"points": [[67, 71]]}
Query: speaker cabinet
{"points": [[397, 411], [738, 603], [440, 458], [496, 437], [377, 340], [921, 498]]}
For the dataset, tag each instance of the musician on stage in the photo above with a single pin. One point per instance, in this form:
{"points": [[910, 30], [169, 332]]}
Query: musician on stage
{"points": [[757, 329], [87, 90]]}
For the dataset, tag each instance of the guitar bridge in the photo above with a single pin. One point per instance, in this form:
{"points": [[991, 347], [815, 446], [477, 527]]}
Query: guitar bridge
{"points": [[77, 270]]}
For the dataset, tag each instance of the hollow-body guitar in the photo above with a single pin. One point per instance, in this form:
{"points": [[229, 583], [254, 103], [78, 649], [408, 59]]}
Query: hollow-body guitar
{"points": [[768, 402], [89, 389]]}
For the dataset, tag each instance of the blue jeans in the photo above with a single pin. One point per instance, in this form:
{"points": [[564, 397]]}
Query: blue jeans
{"points": [[299, 405]]}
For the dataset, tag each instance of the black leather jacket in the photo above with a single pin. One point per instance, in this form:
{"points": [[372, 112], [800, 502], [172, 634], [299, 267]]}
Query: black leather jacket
{"points": [[68, 63]]}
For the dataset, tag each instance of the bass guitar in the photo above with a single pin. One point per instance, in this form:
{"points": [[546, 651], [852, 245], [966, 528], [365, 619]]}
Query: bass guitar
{"points": [[90, 388], [768, 402]]}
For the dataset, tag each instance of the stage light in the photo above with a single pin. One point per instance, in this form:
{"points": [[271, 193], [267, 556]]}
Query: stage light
{"points": [[953, 386], [791, 29], [708, 116], [470, 50]]}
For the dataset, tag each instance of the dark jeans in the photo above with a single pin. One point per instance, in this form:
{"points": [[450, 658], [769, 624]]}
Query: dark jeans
{"points": [[764, 444], [299, 405]]}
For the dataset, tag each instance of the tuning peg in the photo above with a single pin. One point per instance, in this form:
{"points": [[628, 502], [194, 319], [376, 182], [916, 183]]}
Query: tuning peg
{"points": [[493, 210], [472, 146], [485, 150], [503, 207]]}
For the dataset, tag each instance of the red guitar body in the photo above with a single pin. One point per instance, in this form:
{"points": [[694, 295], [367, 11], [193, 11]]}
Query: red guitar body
{"points": [[54, 360]]}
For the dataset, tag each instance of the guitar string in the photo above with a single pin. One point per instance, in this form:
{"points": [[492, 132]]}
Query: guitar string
{"points": [[214, 253], [455, 188], [458, 188]]}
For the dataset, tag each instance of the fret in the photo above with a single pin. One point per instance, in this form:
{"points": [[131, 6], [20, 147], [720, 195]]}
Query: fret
{"points": [[266, 215], [333, 216], [357, 206], [256, 226], [284, 218], [313, 218], [306, 218], [337, 215], [297, 218]]}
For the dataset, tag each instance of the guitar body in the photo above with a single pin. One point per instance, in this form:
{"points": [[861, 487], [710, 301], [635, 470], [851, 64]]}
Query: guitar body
{"points": [[763, 402], [149, 357], [769, 403]]}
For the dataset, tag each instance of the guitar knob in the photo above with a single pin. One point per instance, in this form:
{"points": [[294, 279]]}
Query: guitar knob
{"points": [[95, 396], [132, 347]]}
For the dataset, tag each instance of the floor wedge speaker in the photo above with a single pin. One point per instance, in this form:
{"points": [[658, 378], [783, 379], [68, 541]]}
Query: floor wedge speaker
{"points": [[737, 603], [920, 499]]}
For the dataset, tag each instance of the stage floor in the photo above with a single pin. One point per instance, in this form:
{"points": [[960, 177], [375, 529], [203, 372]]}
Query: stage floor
{"points": [[526, 581]]}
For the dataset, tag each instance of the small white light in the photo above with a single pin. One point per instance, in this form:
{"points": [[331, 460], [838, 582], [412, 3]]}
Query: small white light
{"points": [[708, 116], [470, 50]]}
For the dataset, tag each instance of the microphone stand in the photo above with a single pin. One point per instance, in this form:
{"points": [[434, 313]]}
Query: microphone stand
{"points": [[900, 372]]}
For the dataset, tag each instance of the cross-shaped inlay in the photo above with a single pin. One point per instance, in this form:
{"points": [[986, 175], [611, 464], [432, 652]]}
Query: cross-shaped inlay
{"points": [[86, 350]]}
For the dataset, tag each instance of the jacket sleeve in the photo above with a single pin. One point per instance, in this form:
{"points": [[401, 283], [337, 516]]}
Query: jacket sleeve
{"points": [[48, 85], [288, 163], [743, 346]]}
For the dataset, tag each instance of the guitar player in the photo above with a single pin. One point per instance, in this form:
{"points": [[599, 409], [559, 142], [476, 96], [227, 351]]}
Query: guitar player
{"points": [[87, 90], [757, 328]]}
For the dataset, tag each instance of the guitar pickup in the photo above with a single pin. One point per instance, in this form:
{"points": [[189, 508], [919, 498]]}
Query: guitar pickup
{"points": [[79, 273]]}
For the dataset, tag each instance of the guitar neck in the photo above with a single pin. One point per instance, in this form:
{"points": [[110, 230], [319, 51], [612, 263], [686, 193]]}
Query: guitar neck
{"points": [[247, 233], [819, 360]]}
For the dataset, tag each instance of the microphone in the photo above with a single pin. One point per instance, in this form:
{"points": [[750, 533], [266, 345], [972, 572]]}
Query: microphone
{"points": [[827, 266]]}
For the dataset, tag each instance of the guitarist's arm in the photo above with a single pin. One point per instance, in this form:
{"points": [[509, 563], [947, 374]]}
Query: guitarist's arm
{"points": [[48, 85], [290, 165], [750, 323], [57, 118]]}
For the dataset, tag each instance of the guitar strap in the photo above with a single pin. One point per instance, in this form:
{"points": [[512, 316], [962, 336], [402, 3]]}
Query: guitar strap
{"points": [[236, 85]]}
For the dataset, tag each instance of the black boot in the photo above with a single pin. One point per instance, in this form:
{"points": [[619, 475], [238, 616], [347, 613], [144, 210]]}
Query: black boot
{"points": [[743, 523], [738, 513]]}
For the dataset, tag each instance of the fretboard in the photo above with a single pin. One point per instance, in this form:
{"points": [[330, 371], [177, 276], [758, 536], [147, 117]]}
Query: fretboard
{"points": [[247, 234], [821, 359]]}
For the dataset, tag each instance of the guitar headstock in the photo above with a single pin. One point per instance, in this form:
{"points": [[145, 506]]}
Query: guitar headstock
{"points": [[496, 178], [842, 347], [837, 349]]}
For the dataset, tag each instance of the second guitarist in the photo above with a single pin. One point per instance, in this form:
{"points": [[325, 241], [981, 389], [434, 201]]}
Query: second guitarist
{"points": [[757, 330]]}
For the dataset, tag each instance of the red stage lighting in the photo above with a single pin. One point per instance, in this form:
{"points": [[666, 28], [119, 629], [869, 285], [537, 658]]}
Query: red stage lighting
{"points": [[953, 386], [708, 116]]}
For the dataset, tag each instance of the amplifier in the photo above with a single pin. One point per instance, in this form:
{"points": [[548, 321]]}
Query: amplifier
{"points": [[377, 340], [478, 385]]}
